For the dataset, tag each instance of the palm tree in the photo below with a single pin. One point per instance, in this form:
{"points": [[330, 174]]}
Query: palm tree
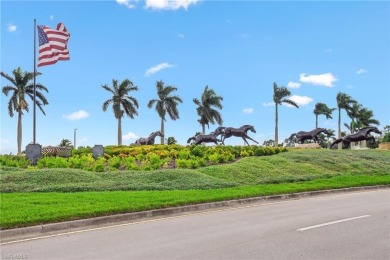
{"points": [[22, 86], [205, 110], [365, 118], [353, 112], [344, 101], [279, 97], [65, 143], [122, 103], [322, 109], [171, 140], [166, 103]]}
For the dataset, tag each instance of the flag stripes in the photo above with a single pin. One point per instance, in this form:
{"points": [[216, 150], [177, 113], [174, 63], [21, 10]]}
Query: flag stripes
{"points": [[53, 44]]}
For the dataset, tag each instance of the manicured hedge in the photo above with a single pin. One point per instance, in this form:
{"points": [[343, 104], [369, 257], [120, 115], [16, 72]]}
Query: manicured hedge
{"points": [[144, 158]]}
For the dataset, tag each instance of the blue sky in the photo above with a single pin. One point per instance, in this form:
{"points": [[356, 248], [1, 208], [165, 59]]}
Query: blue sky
{"points": [[237, 48]]}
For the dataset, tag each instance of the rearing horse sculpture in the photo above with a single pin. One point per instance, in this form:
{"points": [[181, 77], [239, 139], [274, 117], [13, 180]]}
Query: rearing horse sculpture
{"points": [[313, 134], [239, 132], [149, 139], [212, 137], [361, 135]]}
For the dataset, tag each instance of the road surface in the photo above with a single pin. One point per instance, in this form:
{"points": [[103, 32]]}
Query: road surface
{"points": [[343, 226]]}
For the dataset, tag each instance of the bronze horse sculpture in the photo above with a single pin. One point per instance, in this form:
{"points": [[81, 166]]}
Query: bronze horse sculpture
{"points": [[239, 132], [312, 135], [212, 137], [149, 139], [361, 135]]}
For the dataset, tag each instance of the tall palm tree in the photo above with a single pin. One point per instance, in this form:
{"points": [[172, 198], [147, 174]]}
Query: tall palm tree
{"points": [[22, 86], [280, 94], [166, 103], [122, 103], [205, 110], [322, 109], [344, 101]]}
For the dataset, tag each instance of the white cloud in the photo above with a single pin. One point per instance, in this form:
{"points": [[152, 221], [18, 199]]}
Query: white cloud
{"points": [[300, 100], [12, 28], [326, 79], [51, 17], [328, 50], [129, 136], [127, 3], [268, 104], [81, 114], [350, 86], [169, 4], [361, 71], [5, 141], [180, 35], [248, 111], [157, 68], [293, 84]]}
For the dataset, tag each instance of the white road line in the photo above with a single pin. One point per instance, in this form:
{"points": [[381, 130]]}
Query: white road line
{"points": [[331, 223]]}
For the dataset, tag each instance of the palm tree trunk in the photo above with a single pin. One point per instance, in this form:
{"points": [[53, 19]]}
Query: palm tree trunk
{"points": [[339, 123], [316, 121], [276, 125], [119, 131], [203, 128], [162, 131], [340, 145], [19, 137]]}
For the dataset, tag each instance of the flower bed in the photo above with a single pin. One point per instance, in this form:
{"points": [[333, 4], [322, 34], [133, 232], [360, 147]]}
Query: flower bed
{"points": [[143, 158]]}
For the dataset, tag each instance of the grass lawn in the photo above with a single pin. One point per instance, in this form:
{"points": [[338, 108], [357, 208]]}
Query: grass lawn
{"points": [[31, 197]]}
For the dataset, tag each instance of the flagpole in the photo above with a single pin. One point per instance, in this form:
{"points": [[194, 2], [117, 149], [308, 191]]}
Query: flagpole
{"points": [[35, 74]]}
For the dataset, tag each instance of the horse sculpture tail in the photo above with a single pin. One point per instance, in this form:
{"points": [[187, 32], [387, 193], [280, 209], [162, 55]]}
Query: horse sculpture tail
{"points": [[292, 135]]}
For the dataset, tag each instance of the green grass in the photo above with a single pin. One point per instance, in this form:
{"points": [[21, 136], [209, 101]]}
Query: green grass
{"points": [[31, 197]]}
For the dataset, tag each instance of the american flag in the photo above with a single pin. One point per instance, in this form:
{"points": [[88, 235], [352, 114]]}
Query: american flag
{"points": [[53, 44]]}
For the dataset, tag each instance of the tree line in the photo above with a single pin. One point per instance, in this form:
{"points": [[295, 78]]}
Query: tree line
{"points": [[166, 104]]}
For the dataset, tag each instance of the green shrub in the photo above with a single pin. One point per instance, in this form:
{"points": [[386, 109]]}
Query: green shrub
{"points": [[386, 138], [184, 154], [197, 151], [182, 163], [214, 158], [99, 165], [115, 162], [194, 163], [244, 153]]}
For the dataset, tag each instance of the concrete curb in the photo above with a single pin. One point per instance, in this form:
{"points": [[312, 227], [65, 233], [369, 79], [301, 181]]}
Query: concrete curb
{"points": [[41, 230]]}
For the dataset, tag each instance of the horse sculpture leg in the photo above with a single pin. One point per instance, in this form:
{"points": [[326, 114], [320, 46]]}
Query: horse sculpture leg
{"points": [[224, 137], [251, 139]]}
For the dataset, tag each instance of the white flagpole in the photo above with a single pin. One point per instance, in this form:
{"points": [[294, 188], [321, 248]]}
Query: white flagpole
{"points": [[35, 74]]}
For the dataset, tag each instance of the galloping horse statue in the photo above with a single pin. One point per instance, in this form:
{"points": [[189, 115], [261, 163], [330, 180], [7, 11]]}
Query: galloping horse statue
{"points": [[239, 132], [313, 134], [212, 137], [149, 139], [361, 135]]}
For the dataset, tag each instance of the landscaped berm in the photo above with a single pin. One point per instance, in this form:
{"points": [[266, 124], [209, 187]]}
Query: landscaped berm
{"points": [[130, 179]]}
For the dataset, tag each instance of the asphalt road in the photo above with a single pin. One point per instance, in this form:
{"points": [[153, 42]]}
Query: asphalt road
{"points": [[342, 226]]}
